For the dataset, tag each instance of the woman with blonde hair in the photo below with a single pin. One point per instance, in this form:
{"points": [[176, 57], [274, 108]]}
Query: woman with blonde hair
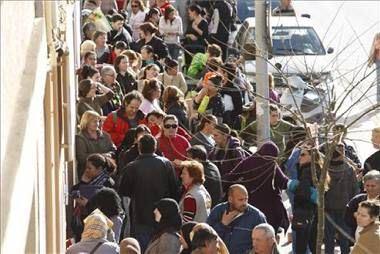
{"points": [[91, 139], [174, 104]]}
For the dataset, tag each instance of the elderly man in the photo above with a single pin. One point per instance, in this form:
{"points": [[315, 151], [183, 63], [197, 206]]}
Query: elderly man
{"points": [[233, 220], [371, 182], [108, 74], [264, 240]]}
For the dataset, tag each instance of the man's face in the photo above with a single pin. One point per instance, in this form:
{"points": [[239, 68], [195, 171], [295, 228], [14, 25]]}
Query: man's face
{"points": [[375, 140], [132, 108], [117, 25], [238, 200], [274, 118], [372, 187], [261, 243]]}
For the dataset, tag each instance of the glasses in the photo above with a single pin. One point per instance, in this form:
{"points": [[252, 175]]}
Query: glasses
{"points": [[134, 6], [303, 154], [173, 126]]}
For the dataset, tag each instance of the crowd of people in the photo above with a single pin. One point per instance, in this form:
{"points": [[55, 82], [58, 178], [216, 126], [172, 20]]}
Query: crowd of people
{"points": [[166, 166]]}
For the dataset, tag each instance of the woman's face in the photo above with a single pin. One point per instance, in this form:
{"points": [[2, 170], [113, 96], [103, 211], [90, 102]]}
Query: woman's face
{"points": [[363, 218], [151, 73], [135, 7], [170, 128], [155, 18], [142, 34], [123, 65], [96, 77], [132, 108], [157, 93], [192, 14], [157, 215], [187, 180], [91, 60], [93, 125], [305, 157], [171, 15], [91, 171], [145, 55], [101, 41], [173, 71], [92, 92]]}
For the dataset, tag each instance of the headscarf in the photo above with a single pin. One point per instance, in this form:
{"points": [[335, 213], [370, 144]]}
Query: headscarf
{"points": [[171, 220], [186, 229], [96, 226]]}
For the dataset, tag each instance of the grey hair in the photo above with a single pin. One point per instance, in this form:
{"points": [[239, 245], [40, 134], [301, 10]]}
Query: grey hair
{"points": [[267, 228], [107, 70], [371, 175]]}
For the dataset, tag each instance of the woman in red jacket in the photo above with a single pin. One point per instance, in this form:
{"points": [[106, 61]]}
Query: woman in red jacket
{"points": [[128, 116], [172, 145]]}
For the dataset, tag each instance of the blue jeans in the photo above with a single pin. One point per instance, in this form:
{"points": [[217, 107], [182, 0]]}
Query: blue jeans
{"points": [[173, 51], [338, 218]]}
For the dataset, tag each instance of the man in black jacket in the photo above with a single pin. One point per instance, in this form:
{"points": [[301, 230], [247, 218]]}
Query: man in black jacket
{"points": [[147, 180]]}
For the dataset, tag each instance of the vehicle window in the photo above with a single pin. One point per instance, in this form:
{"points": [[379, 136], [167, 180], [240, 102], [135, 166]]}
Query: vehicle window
{"points": [[292, 41], [297, 41]]}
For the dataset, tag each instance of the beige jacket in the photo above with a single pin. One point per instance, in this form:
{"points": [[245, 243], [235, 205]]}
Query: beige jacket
{"points": [[178, 81], [369, 240]]}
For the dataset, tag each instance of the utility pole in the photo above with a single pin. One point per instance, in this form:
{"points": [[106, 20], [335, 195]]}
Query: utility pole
{"points": [[262, 86]]}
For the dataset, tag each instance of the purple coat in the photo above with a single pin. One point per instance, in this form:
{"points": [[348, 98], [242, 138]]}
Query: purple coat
{"points": [[264, 180]]}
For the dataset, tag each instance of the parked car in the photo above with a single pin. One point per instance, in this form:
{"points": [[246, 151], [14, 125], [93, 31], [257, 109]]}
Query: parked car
{"points": [[296, 50]]}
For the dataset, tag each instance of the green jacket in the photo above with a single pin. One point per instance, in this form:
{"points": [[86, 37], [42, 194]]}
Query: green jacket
{"points": [[197, 65], [279, 134]]}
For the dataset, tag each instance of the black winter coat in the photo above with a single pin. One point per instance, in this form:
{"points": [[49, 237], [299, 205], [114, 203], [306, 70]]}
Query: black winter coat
{"points": [[147, 180]]}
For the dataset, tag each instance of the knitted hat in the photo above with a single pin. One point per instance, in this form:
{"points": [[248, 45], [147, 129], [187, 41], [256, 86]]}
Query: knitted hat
{"points": [[84, 87], [186, 229]]}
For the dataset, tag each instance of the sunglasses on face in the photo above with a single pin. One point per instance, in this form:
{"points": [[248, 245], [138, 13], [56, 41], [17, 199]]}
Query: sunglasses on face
{"points": [[303, 154], [134, 6], [168, 126]]}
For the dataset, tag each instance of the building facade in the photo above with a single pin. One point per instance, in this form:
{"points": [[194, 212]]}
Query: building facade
{"points": [[39, 54]]}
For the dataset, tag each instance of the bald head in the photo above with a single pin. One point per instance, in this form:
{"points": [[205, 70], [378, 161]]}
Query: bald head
{"points": [[237, 188], [238, 197]]}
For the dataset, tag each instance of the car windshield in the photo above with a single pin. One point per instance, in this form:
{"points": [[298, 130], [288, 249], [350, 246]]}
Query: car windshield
{"points": [[293, 41]]}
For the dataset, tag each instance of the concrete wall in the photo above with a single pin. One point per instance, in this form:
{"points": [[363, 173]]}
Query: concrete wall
{"points": [[33, 127]]}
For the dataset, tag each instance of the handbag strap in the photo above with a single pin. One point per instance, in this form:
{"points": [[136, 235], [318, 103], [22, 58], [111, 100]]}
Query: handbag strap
{"points": [[96, 247]]}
